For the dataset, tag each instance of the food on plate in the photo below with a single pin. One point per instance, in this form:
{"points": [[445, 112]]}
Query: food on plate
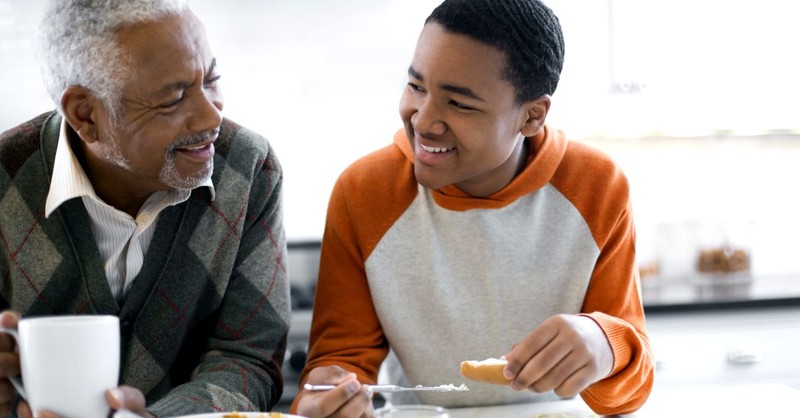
{"points": [[487, 371], [261, 415]]}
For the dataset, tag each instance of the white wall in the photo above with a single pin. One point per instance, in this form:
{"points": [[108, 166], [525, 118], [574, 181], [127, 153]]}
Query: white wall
{"points": [[321, 79]]}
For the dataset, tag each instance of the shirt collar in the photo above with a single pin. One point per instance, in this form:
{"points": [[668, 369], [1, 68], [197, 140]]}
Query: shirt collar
{"points": [[70, 181]]}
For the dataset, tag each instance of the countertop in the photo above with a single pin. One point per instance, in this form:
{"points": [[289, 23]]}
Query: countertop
{"points": [[757, 400], [694, 293]]}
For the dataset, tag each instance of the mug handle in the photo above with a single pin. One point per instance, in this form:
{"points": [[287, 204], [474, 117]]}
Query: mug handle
{"points": [[14, 379]]}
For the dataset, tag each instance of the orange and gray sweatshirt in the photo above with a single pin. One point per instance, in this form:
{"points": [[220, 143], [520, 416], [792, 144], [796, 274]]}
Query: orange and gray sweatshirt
{"points": [[438, 276]]}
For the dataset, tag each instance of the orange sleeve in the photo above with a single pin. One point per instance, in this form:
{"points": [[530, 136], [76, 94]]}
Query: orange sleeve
{"points": [[613, 298], [366, 200]]}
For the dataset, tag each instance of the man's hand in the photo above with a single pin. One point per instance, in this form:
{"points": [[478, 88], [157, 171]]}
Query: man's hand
{"points": [[9, 362], [566, 353], [123, 397], [347, 400], [128, 398]]}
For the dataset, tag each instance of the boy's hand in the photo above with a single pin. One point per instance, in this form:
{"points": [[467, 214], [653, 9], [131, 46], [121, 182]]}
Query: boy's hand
{"points": [[348, 399], [566, 353]]}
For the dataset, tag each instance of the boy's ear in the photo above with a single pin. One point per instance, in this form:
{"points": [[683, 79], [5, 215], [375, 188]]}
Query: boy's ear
{"points": [[78, 105], [536, 113]]}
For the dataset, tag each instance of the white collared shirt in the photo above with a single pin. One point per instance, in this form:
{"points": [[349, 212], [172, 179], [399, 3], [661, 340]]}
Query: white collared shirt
{"points": [[122, 240]]}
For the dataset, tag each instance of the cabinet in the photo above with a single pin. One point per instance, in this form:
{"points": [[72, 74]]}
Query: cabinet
{"points": [[737, 346]]}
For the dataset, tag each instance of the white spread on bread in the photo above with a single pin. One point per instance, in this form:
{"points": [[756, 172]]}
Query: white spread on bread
{"points": [[487, 362]]}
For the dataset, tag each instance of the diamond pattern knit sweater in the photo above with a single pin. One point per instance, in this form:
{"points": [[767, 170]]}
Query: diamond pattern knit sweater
{"points": [[204, 323]]}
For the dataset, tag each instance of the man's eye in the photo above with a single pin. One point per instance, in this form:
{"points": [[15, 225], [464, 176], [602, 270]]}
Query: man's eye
{"points": [[173, 103], [213, 80]]}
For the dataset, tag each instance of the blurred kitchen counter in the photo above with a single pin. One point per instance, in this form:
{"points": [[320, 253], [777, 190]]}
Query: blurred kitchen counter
{"points": [[724, 330], [744, 344], [696, 293]]}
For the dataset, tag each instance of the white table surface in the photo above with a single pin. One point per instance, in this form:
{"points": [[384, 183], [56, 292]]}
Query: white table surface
{"points": [[754, 400]]}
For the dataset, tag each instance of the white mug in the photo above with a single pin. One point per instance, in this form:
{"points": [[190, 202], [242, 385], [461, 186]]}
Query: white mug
{"points": [[68, 362]]}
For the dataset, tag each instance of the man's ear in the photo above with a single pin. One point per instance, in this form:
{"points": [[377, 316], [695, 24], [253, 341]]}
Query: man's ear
{"points": [[535, 113], [78, 105]]}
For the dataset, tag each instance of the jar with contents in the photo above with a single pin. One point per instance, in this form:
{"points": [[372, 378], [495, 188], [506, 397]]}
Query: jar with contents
{"points": [[724, 250]]}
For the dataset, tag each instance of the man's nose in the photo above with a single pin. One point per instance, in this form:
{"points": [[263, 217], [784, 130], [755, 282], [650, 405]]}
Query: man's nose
{"points": [[207, 113]]}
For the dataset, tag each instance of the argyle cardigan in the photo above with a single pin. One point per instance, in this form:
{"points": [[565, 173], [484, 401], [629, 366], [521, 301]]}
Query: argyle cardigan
{"points": [[204, 324]]}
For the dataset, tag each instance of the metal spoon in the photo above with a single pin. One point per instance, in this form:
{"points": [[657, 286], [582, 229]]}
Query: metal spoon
{"points": [[395, 388]]}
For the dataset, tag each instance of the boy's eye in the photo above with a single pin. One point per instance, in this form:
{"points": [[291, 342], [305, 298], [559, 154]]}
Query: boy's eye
{"points": [[458, 105], [414, 86]]}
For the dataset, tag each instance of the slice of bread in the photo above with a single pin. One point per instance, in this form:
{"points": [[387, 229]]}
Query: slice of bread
{"points": [[487, 371]]}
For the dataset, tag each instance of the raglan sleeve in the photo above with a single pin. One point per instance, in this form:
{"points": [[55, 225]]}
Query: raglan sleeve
{"points": [[345, 330], [614, 301]]}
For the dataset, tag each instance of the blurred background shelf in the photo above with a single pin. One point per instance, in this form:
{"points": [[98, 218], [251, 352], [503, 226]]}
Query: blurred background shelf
{"points": [[663, 295]]}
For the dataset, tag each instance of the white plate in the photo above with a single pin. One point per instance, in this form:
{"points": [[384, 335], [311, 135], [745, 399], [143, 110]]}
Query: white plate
{"points": [[244, 414]]}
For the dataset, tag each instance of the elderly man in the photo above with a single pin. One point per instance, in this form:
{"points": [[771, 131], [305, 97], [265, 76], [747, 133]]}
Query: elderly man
{"points": [[137, 199]]}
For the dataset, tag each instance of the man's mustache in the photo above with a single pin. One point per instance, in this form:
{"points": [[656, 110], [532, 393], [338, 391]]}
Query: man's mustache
{"points": [[194, 139]]}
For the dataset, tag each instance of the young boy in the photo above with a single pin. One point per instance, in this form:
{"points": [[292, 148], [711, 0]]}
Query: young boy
{"points": [[480, 232]]}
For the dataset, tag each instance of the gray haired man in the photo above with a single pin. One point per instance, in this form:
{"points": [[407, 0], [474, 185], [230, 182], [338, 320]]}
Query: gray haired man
{"points": [[136, 198]]}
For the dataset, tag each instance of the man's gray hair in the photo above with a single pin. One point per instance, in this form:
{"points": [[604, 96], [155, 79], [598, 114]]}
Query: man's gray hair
{"points": [[77, 44]]}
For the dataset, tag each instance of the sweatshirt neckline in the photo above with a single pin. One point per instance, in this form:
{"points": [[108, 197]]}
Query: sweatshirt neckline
{"points": [[545, 154]]}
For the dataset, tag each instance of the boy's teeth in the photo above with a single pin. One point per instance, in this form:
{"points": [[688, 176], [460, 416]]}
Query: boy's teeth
{"points": [[434, 149]]}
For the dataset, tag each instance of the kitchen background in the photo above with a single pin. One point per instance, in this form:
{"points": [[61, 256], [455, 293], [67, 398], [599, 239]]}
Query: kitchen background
{"points": [[697, 100]]}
